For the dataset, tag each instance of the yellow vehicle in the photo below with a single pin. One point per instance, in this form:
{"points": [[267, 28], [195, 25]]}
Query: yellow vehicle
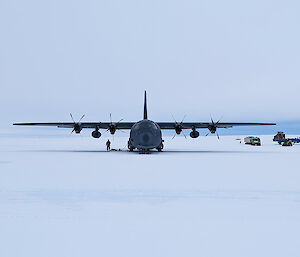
{"points": [[252, 141]]}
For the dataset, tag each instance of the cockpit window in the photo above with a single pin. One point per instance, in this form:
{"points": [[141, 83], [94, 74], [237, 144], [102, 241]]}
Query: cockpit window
{"points": [[146, 125]]}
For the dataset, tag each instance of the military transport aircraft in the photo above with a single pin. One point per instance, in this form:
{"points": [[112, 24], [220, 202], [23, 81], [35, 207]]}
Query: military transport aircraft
{"points": [[144, 134]]}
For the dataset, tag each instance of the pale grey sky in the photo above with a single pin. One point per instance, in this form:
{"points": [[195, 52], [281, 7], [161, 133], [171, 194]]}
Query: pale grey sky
{"points": [[240, 59]]}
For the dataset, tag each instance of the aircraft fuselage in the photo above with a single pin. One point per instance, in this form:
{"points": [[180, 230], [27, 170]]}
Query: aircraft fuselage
{"points": [[145, 135]]}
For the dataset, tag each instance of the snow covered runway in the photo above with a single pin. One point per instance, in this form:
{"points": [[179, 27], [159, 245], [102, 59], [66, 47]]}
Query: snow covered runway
{"points": [[67, 196]]}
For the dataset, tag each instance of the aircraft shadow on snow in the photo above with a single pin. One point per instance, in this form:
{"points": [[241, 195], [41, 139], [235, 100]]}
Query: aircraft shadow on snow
{"points": [[151, 152]]}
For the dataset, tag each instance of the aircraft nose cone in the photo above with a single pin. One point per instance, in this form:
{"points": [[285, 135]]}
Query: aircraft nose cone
{"points": [[145, 138]]}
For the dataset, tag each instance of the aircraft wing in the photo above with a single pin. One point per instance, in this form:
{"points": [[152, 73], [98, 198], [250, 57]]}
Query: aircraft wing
{"points": [[94, 125], [191, 125], [128, 125]]}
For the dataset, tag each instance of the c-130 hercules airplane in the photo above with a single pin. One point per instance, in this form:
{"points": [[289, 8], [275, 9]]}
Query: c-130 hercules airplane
{"points": [[144, 134]]}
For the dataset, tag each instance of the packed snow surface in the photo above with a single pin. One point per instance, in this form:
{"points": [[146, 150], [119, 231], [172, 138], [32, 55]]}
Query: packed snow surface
{"points": [[67, 196]]}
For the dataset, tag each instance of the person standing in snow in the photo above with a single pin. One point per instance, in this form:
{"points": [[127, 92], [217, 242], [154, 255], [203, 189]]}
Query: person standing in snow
{"points": [[108, 145]]}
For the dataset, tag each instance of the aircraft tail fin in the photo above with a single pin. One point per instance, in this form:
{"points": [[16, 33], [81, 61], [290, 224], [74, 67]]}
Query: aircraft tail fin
{"points": [[145, 107]]}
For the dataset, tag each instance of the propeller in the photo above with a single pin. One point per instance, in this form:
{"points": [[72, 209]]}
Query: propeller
{"points": [[179, 127], [112, 127], [77, 128], [213, 127]]}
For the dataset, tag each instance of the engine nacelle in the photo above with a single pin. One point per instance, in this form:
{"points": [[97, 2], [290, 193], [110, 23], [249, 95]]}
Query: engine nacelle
{"points": [[212, 129], [178, 129], [77, 128], [194, 134], [112, 129], [96, 134]]}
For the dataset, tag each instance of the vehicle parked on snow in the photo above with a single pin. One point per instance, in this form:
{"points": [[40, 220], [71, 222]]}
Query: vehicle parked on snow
{"points": [[252, 141], [287, 142], [294, 140], [279, 136]]}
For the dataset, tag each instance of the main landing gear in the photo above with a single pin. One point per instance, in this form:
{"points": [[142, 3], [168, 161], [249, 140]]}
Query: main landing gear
{"points": [[160, 148], [130, 147]]}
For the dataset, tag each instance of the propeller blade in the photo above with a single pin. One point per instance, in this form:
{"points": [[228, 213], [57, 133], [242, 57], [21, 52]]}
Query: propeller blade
{"points": [[110, 118], [73, 130], [174, 119], [183, 119], [81, 117], [207, 134], [173, 136], [183, 134], [72, 118], [212, 121], [218, 135], [219, 120], [119, 121]]}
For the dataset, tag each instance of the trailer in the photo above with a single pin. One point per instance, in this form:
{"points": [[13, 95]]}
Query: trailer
{"points": [[287, 142], [293, 140]]}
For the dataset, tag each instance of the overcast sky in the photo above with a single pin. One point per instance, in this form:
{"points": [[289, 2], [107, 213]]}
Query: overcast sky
{"points": [[239, 59]]}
